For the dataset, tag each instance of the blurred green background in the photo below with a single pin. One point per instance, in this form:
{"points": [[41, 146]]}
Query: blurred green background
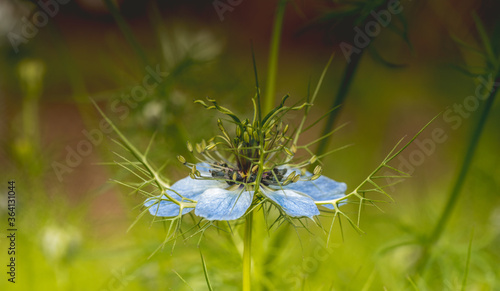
{"points": [[72, 223]]}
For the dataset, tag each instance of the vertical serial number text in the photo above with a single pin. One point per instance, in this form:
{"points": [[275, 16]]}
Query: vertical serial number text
{"points": [[11, 232]]}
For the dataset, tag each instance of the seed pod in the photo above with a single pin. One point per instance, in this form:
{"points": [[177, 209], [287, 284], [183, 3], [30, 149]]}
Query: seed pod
{"points": [[303, 171], [314, 177], [246, 137], [191, 175], [255, 168], [235, 175], [189, 147], [296, 179], [197, 174], [288, 152], [317, 170], [293, 149], [181, 159], [313, 159], [193, 169], [238, 131], [203, 144]]}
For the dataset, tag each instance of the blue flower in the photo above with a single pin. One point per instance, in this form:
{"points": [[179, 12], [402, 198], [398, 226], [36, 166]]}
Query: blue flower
{"points": [[219, 196]]}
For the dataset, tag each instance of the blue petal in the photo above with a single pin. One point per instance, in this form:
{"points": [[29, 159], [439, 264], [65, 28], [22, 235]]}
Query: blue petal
{"points": [[320, 189], [221, 204], [188, 188], [164, 208], [293, 203], [192, 188]]}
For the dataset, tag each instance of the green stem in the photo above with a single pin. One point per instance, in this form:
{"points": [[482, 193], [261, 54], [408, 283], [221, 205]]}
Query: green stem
{"points": [[456, 190], [345, 84], [273, 57], [247, 253]]}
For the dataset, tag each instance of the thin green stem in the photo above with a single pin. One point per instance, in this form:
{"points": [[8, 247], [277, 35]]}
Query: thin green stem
{"points": [[272, 69], [345, 84], [247, 253], [456, 190]]}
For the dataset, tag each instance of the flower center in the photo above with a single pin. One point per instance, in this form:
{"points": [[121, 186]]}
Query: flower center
{"points": [[233, 176]]}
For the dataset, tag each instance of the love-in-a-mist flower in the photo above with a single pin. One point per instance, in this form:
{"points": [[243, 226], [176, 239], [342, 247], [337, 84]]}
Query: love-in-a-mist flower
{"points": [[256, 166]]}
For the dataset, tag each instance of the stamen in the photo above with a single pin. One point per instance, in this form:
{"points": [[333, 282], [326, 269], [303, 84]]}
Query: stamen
{"points": [[285, 130], [210, 147], [181, 159], [291, 176], [199, 149], [318, 170]]}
